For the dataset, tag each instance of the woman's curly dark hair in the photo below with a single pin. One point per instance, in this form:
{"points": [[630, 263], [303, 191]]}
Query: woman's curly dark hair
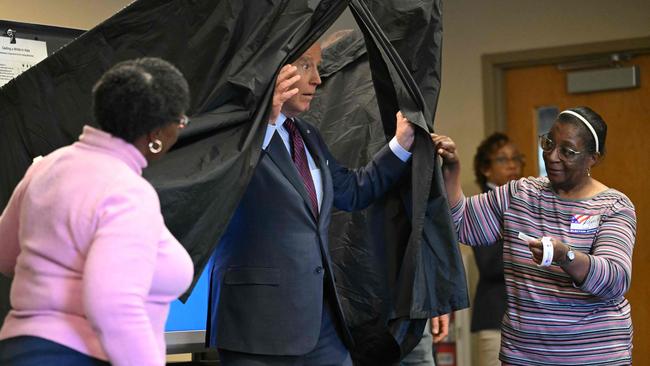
{"points": [[483, 157], [137, 96]]}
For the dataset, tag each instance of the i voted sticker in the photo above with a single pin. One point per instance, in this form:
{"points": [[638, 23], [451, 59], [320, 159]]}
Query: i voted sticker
{"points": [[584, 223]]}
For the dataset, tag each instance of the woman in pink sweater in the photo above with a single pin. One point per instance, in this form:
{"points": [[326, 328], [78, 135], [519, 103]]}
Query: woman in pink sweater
{"points": [[94, 268]]}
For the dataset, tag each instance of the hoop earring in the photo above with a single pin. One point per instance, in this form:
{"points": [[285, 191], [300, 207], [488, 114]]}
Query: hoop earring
{"points": [[155, 146]]}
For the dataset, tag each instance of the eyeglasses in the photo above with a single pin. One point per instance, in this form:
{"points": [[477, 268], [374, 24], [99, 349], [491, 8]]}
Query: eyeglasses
{"points": [[503, 160], [565, 154], [183, 122]]}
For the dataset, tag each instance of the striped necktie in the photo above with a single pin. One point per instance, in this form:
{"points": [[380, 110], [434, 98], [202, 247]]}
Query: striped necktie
{"points": [[299, 157]]}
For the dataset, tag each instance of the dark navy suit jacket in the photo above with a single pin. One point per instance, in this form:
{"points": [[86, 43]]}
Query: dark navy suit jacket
{"points": [[272, 266]]}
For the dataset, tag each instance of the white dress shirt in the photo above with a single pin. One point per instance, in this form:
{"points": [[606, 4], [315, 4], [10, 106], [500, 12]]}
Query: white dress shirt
{"points": [[395, 147]]}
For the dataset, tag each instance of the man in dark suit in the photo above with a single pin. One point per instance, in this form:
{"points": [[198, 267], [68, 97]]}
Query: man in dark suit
{"points": [[273, 300]]}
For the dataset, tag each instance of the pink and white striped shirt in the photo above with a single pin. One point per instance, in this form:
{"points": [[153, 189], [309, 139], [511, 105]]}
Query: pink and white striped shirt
{"points": [[94, 267]]}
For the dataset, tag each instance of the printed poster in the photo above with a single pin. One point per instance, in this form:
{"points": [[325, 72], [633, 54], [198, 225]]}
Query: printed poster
{"points": [[18, 57]]}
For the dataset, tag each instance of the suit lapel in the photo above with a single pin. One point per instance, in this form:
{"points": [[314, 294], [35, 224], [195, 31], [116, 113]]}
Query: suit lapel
{"points": [[277, 151]]}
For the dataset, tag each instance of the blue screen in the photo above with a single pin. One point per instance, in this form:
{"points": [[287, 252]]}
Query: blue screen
{"points": [[193, 314]]}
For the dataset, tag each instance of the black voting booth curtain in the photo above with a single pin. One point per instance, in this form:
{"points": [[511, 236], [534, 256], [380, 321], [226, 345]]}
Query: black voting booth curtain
{"points": [[397, 260], [230, 52]]}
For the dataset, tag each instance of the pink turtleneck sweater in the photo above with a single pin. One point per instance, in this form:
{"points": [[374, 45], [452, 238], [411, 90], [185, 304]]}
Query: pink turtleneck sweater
{"points": [[94, 267]]}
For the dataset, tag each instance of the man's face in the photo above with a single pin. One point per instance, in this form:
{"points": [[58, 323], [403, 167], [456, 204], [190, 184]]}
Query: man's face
{"points": [[307, 66]]}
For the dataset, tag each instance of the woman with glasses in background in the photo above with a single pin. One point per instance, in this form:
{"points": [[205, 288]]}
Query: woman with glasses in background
{"points": [[94, 267], [567, 254], [497, 161]]}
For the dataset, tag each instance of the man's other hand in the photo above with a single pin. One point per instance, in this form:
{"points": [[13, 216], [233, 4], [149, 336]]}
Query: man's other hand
{"points": [[404, 131], [439, 327]]}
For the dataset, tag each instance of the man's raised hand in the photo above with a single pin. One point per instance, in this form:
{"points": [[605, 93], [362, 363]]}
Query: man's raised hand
{"points": [[283, 90]]}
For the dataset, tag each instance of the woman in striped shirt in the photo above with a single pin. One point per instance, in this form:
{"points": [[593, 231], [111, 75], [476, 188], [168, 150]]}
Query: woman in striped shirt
{"points": [[571, 311]]}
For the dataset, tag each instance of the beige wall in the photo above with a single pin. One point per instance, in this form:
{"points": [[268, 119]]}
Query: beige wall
{"points": [[79, 14], [475, 27]]}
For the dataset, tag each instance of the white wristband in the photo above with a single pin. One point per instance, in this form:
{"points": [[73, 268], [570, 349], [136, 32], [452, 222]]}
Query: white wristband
{"points": [[547, 258]]}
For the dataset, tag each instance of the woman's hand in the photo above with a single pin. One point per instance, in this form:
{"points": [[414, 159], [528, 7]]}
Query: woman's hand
{"points": [[446, 148], [578, 268], [537, 250]]}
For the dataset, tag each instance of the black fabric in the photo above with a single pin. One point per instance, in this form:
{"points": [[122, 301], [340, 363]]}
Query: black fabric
{"points": [[383, 276], [230, 51], [490, 298]]}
